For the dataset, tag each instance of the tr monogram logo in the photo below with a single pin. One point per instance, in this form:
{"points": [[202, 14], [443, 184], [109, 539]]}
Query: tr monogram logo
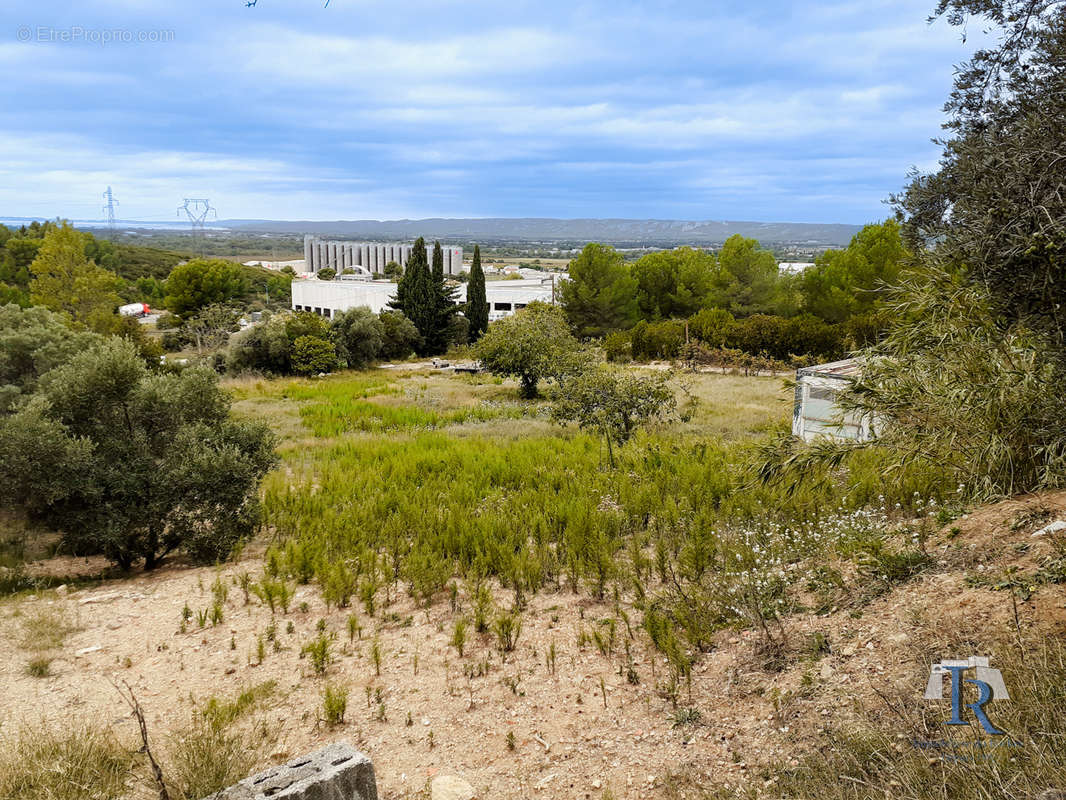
{"points": [[989, 683]]}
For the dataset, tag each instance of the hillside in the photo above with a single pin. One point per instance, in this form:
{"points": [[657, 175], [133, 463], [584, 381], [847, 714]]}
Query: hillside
{"points": [[587, 703]]}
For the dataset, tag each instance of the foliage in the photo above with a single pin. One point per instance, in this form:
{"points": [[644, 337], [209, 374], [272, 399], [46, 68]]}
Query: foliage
{"points": [[210, 329], [265, 347], [203, 282], [33, 341], [612, 402], [712, 326], [312, 355], [65, 281], [674, 283], [995, 204], [657, 339], [359, 336], [477, 308], [326, 274], [749, 281], [417, 296], [618, 346], [600, 295], [850, 282], [393, 271], [399, 336], [531, 345], [134, 465], [960, 387]]}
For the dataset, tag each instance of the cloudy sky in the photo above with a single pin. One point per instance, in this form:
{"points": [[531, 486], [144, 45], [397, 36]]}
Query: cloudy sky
{"points": [[385, 109]]}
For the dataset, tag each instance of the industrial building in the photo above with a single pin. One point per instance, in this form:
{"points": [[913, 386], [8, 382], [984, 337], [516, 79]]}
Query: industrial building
{"points": [[815, 411], [367, 258], [328, 298]]}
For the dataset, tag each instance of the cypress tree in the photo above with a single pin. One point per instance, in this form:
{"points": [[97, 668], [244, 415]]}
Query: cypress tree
{"points": [[416, 298], [477, 309], [444, 304]]}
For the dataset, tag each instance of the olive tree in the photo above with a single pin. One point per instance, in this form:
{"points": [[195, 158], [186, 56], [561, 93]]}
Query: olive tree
{"points": [[531, 345], [613, 402], [132, 464]]}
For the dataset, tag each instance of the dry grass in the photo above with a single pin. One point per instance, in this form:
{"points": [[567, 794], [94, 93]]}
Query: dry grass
{"points": [[75, 762]]}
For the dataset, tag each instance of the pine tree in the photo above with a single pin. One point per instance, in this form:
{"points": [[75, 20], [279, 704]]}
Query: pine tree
{"points": [[477, 309]]}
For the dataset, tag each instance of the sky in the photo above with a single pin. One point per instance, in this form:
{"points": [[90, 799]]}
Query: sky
{"points": [[403, 109]]}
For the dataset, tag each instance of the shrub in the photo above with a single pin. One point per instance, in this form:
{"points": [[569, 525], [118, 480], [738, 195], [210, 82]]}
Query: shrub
{"points": [[359, 336], [657, 339], [531, 345], [311, 355], [399, 336], [134, 465], [618, 346], [326, 274], [334, 704]]}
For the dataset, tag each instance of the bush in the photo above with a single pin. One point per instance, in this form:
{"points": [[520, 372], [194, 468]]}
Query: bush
{"points": [[334, 704], [618, 346], [261, 348], [657, 339], [326, 274], [134, 465], [359, 336], [400, 337], [311, 355]]}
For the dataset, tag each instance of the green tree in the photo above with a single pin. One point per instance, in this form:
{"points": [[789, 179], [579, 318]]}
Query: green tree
{"points": [[32, 342], [748, 280], [614, 402], [359, 336], [393, 271], [203, 282], [265, 347], [399, 335], [416, 297], [847, 283], [444, 297], [65, 281], [995, 207], [134, 465], [601, 294], [674, 283], [531, 345], [711, 326], [326, 274], [311, 355], [477, 308]]}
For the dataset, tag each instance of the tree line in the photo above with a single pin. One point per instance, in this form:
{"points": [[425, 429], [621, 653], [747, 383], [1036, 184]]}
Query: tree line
{"points": [[737, 298]]}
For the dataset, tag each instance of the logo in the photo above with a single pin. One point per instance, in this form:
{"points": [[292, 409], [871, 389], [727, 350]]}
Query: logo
{"points": [[989, 683]]}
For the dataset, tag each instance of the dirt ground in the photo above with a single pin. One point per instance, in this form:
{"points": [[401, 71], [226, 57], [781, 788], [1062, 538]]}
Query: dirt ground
{"points": [[570, 741]]}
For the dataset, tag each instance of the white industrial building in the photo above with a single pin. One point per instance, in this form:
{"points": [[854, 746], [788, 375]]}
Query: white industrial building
{"points": [[367, 258], [328, 298]]}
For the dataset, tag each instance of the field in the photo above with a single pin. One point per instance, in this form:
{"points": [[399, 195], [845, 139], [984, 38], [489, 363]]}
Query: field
{"points": [[457, 585]]}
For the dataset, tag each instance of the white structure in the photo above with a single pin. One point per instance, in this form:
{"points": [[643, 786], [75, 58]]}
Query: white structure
{"points": [[366, 258], [815, 412], [328, 298]]}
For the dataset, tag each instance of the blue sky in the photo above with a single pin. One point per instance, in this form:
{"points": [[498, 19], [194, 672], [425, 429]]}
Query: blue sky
{"points": [[687, 109]]}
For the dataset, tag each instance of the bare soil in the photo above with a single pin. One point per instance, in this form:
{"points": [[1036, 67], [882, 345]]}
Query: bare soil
{"points": [[570, 740]]}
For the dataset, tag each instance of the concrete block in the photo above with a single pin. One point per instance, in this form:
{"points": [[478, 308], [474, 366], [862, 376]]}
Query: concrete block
{"points": [[336, 772]]}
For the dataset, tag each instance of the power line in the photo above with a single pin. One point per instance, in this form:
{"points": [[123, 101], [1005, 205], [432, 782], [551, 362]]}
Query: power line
{"points": [[197, 209]]}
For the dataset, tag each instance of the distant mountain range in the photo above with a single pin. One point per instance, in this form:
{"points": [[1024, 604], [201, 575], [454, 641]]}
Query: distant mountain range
{"points": [[532, 229], [573, 232]]}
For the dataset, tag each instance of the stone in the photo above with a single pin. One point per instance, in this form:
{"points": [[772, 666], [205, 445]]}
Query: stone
{"points": [[451, 787], [336, 772], [1055, 527]]}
